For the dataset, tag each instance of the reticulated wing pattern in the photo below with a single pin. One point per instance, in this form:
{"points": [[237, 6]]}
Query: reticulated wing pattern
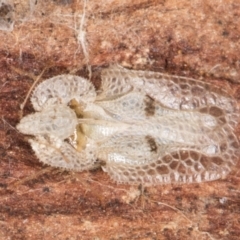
{"points": [[182, 166], [114, 85], [57, 153], [131, 106], [192, 123], [147, 127], [61, 89], [179, 93], [144, 159]]}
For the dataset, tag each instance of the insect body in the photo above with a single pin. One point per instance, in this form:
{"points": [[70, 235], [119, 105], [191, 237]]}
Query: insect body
{"points": [[146, 127]]}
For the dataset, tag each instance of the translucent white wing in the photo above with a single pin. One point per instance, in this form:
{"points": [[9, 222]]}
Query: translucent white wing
{"points": [[114, 83], [61, 89], [135, 106], [57, 153], [148, 127], [131, 106], [140, 159], [173, 92]]}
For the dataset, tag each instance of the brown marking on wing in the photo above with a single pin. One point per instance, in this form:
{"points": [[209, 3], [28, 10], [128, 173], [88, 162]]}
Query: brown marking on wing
{"points": [[150, 106], [152, 144]]}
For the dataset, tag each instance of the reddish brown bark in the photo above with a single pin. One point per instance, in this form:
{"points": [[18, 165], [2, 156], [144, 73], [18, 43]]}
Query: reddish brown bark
{"points": [[191, 38]]}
